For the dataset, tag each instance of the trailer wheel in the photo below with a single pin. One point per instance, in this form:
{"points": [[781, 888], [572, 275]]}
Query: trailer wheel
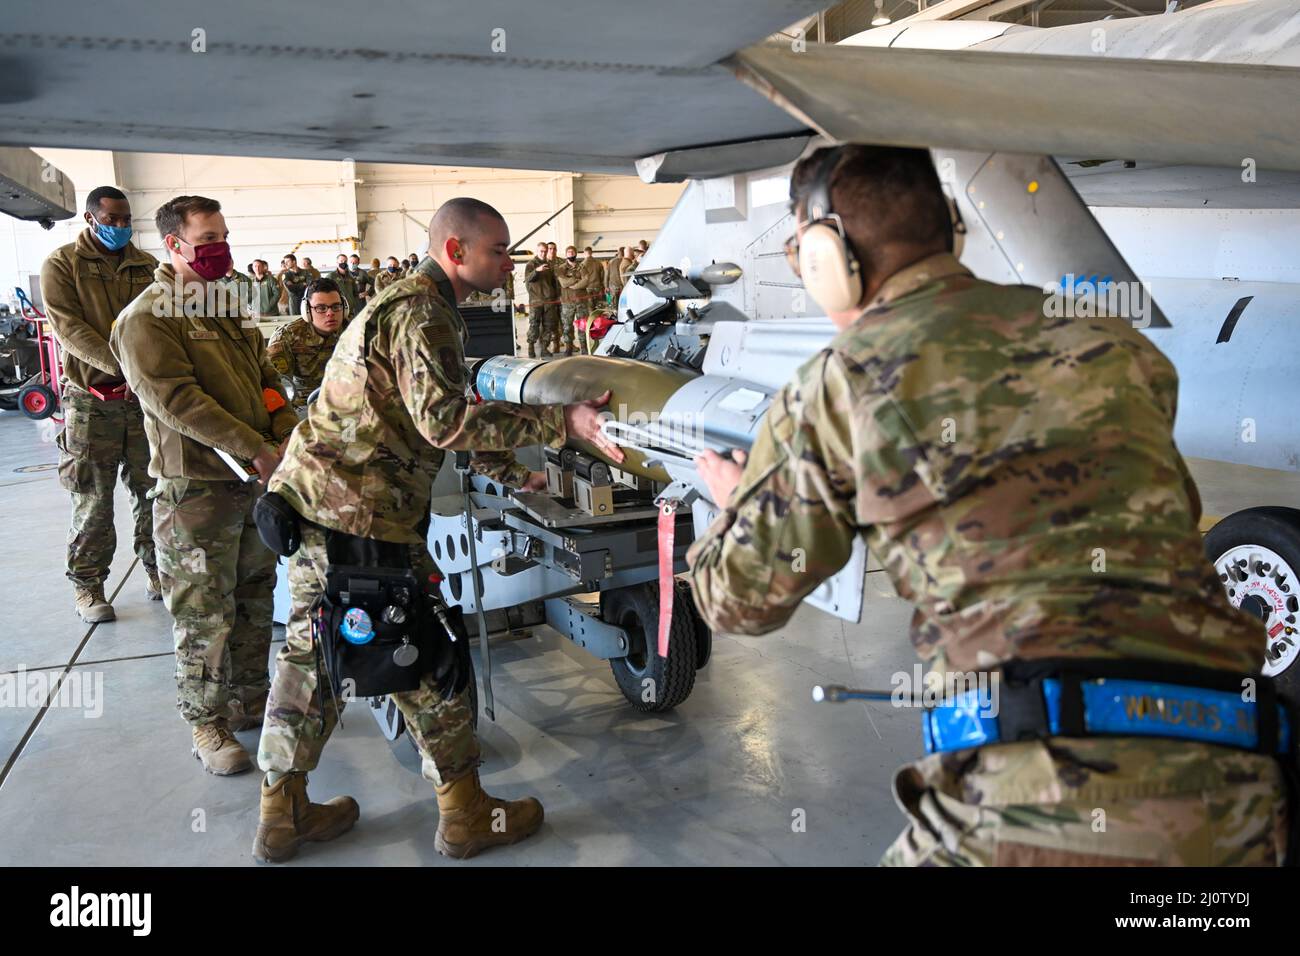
{"points": [[703, 633], [37, 402], [649, 682], [1256, 554]]}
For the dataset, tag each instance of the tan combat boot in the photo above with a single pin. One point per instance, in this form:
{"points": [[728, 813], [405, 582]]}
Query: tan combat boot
{"points": [[248, 714], [532, 350], [219, 751], [470, 821], [152, 586], [289, 819], [91, 606]]}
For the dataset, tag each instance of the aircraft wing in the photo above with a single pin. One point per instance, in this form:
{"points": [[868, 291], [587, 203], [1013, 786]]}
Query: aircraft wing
{"points": [[1213, 114], [583, 85]]}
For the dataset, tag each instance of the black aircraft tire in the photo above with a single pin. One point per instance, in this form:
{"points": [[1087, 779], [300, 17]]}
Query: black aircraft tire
{"points": [[1278, 530]]}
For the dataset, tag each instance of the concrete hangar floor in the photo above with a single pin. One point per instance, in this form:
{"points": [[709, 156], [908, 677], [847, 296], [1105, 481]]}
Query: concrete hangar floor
{"points": [[720, 780]]}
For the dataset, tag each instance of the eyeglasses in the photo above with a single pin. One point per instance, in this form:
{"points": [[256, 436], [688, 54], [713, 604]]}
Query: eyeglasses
{"points": [[327, 309]]}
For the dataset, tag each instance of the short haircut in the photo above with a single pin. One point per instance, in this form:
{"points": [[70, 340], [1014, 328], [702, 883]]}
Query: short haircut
{"points": [[392, 258], [461, 217], [883, 194], [588, 249], [290, 258], [551, 245], [322, 284], [99, 193], [171, 215]]}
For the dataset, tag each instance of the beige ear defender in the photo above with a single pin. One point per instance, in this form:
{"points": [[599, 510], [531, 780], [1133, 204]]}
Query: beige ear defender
{"points": [[305, 307], [830, 271], [828, 266]]}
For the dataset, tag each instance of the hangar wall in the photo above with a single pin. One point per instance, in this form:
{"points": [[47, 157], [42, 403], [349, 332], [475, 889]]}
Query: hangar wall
{"points": [[273, 205]]}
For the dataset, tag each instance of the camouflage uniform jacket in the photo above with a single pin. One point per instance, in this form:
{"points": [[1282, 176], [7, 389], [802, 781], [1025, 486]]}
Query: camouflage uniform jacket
{"points": [[201, 379], [348, 289], [294, 280], [614, 277], [542, 287], [84, 289], [593, 281], [395, 396], [364, 281], [266, 293], [1015, 474], [299, 353], [572, 281], [385, 278]]}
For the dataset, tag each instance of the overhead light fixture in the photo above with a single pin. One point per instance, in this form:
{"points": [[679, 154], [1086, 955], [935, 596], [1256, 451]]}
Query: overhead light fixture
{"points": [[880, 20]]}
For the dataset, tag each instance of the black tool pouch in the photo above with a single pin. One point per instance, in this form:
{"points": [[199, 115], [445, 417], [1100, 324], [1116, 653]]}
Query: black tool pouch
{"points": [[278, 525], [379, 633]]}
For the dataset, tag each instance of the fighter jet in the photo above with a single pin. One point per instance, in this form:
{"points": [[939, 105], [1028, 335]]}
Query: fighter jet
{"points": [[1142, 120]]}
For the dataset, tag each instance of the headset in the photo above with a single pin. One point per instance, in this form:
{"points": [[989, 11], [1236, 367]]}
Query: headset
{"points": [[828, 266], [305, 308]]}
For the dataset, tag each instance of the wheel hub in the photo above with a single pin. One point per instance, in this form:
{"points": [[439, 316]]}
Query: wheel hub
{"points": [[1261, 583]]}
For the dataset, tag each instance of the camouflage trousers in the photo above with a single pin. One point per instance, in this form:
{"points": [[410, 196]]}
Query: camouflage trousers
{"points": [[1123, 801], [301, 713], [100, 441], [552, 328], [569, 311], [539, 329], [218, 581]]}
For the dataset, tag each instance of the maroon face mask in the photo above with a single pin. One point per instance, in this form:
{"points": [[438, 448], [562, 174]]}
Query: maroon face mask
{"points": [[211, 261]]}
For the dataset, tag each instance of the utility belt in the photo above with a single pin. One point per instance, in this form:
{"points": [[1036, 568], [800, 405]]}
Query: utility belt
{"points": [[1126, 698], [377, 628], [106, 392], [1031, 700]]}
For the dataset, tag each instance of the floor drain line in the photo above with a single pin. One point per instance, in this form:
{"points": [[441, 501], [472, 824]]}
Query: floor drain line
{"points": [[54, 691]]}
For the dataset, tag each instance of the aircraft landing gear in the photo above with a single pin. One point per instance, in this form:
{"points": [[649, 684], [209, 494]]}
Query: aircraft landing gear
{"points": [[1256, 553]]}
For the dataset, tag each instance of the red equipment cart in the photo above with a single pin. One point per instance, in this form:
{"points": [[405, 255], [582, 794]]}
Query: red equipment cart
{"points": [[39, 398]]}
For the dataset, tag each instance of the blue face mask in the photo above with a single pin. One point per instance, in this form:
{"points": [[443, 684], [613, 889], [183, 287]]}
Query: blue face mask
{"points": [[112, 237]]}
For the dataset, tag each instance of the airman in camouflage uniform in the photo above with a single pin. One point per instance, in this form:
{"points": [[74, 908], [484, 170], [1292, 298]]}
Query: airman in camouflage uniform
{"points": [[203, 378], [266, 291], [365, 281], [347, 286], [990, 457], [573, 293], [395, 397], [294, 281], [614, 276], [539, 279], [85, 285], [551, 322], [299, 350], [390, 274], [593, 272]]}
